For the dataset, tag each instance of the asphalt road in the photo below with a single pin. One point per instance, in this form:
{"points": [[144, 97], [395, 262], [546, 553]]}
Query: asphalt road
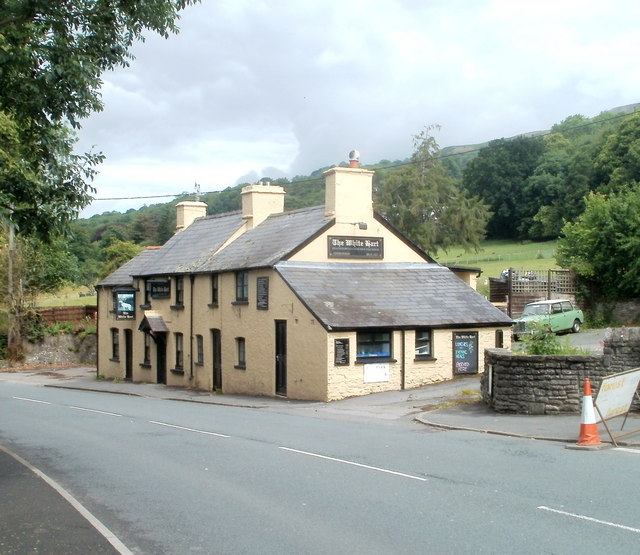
{"points": [[173, 477]]}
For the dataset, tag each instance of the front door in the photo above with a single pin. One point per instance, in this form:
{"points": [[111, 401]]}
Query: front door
{"points": [[161, 350], [128, 355], [281, 357], [217, 360]]}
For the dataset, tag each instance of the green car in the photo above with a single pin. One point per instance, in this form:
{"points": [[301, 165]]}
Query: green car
{"points": [[559, 315]]}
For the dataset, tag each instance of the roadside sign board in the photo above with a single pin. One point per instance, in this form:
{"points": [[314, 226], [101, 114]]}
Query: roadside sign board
{"points": [[616, 393]]}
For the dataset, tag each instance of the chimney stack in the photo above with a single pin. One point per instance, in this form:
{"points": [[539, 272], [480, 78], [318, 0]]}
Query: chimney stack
{"points": [[349, 192], [187, 211], [260, 201]]}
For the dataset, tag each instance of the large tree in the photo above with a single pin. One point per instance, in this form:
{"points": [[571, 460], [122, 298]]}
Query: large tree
{"points": [[498, 175], [52, 56], [422, 200], [603, 245]]}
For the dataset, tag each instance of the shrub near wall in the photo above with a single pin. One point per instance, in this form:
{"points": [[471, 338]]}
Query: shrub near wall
{"points": [[548, 384]]}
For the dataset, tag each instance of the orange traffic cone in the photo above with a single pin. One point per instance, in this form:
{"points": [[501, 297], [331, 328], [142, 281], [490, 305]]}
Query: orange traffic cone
{"points": [[588, 427]]}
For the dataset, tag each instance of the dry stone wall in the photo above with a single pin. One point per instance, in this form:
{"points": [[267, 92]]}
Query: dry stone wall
{"points": [[525, 384]]}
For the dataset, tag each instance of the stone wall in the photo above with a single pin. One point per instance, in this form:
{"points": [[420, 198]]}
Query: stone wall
{"points": [[526, 384], [62, 349]]}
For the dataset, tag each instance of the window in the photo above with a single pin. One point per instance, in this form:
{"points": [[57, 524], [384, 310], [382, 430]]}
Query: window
{"points": [[147, 292], [179, 291], [424, 344], [374, 344], [242, 286], [199, 349], [242, 354], [499, 339], [179, 351], [115, 344], [214, 290], [147, 350]]}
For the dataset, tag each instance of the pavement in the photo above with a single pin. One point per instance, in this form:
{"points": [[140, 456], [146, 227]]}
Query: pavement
{"points": [[36, 518]]}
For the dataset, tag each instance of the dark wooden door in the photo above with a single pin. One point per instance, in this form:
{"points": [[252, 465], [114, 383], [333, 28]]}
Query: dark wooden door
{"points": [[281, 357], [217, 359]]}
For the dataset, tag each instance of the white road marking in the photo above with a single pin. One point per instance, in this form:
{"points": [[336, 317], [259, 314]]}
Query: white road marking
{"points": [[627, 450], [32, 400], [96, 411], [187, 429], [591, 519], [101, 528], [355, 464]]}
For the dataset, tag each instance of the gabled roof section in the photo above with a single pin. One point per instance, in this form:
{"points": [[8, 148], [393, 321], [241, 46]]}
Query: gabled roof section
{"points": [[123, 276], [184, 252], [268, 243], [350, 296]]}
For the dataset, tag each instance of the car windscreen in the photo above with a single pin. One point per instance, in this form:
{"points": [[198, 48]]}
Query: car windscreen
{"points": [[535, 309]]}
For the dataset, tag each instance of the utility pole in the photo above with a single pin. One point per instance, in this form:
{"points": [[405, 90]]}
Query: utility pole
{"points": [[14, 343]]}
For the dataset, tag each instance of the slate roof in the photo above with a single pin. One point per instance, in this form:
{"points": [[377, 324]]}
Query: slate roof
{"points": [[199, 241], [263, 246], [122, 277], [371, 295]]}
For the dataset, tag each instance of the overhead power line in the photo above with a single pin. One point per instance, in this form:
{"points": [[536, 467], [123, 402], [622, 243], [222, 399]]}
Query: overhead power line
{"points": [[312, 180]]}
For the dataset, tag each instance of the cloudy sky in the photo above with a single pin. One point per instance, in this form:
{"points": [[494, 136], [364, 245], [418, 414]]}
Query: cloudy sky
{"points": [[283, 87]]}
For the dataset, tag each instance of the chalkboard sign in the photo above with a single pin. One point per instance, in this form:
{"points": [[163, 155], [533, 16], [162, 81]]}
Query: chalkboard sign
{"points": [[341, 350], [465, 352], [262, 297]]}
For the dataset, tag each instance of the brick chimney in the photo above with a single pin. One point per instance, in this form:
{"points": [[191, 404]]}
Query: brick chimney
{"points": [[260, 201], [349, 192], [187, 211]]}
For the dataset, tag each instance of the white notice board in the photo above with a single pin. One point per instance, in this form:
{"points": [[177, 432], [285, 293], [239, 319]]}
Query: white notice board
{"points": [[616, 393], [377, 372]]}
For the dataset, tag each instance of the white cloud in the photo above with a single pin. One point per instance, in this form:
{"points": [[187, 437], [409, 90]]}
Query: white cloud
{"points": [[251, 84]]}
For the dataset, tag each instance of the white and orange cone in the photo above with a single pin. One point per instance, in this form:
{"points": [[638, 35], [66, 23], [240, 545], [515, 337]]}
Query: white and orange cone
{"points": [[588, 427]]}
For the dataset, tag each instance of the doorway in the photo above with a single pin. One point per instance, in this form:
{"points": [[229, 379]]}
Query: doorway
{"points": [[128, 355], [217, 359], [161, 357], [281, 357]]}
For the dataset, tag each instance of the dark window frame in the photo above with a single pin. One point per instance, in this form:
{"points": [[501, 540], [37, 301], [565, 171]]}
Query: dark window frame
{"points": [[179, 345], [179, 299], [366, 340], [215, 290], [241, 353], [421, 342], [115, 344], [199, 350], [146, 350], [242, 287]]}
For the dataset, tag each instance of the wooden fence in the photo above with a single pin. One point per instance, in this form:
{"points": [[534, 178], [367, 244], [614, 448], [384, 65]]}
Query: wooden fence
{"points": [[521, 287], [56, 314]]}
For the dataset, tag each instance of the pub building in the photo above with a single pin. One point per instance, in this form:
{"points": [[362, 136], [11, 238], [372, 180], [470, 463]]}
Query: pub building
{"points": [[320, 303]]}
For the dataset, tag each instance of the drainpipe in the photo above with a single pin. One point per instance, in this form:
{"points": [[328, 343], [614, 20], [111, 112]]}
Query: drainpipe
{"points": [[191, 280], [403, 369]]}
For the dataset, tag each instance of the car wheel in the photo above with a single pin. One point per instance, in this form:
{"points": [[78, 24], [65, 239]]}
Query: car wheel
{"points": [[576, 326]]}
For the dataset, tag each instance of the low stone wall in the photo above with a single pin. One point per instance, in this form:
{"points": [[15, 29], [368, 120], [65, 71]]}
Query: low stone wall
{"points": [[525, 384], [62, 349]]}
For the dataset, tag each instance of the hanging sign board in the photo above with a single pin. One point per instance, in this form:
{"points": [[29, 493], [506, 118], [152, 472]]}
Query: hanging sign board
{"points": [[465, 352]]}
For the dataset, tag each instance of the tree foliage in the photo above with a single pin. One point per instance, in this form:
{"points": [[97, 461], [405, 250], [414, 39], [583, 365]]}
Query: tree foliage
{"points": [[52, 56], [422, 200], [603, 245]]}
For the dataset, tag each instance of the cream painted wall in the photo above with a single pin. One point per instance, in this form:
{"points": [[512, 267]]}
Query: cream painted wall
{"points": [[395, 250]]}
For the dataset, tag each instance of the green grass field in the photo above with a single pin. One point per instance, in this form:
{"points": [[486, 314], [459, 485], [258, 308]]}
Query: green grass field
{"points": [[495, 256]]}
